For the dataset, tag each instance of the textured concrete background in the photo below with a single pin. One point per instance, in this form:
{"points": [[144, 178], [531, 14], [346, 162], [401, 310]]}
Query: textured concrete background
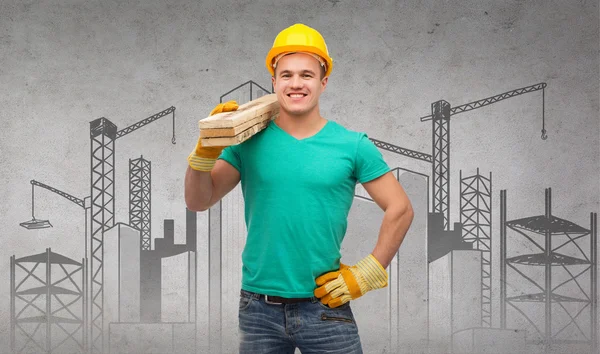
{"points": [[66, 63]]}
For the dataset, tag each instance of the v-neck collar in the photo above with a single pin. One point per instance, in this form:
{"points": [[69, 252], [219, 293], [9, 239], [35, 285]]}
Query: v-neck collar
{"points": [[277, 127]]}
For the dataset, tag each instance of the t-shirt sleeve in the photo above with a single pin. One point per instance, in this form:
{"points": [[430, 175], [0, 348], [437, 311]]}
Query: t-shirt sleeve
{"points": [[231, 154], [369, 163]]}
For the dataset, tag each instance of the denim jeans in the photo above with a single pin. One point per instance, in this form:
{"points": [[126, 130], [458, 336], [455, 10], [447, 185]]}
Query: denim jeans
{"points": [[309, 326]]}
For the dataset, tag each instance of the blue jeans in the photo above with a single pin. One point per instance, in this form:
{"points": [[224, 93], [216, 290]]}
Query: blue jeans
{"points": [[309, 326]]}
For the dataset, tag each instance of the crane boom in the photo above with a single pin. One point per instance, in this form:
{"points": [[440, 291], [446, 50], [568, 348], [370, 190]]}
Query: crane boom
{"points": [[148, 120], [402, 151], [61, 193], [440, 116], [487, 101]]}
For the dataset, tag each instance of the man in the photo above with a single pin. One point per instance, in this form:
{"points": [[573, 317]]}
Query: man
{"points": [[298, 180]]}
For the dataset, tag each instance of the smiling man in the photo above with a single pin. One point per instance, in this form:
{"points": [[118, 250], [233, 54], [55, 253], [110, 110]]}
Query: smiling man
{"points": [[298, 180]]}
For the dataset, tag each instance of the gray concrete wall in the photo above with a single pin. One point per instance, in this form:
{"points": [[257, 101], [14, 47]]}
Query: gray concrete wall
{"points": [[64, 64]]}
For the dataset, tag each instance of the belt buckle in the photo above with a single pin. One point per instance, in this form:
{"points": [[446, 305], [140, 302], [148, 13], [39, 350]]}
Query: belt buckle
{"points": [[271, 302]]}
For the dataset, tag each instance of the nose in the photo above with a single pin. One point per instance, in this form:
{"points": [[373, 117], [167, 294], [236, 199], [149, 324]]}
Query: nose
{"points": [[296, 82]]}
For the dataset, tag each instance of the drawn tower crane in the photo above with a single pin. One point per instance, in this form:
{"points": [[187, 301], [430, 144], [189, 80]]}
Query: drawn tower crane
{"points": [[103, 134], [440, 160], [440, 116], [101, 203], [42, 224]]}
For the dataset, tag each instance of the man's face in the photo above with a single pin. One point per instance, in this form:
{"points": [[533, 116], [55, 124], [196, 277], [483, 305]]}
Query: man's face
{"points": [[298, 83]]}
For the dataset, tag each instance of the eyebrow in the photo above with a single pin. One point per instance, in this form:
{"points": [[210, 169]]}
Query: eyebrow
{"points": [[303, 71]]}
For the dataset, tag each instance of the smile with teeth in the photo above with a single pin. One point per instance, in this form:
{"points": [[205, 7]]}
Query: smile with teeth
{"points": [[296, 95]]}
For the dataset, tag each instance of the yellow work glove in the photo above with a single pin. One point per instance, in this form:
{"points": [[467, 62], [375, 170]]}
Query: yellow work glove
{"points": [[203, 158], [348, 283]]}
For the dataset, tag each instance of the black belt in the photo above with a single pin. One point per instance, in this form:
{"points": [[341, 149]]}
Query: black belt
{"points": [[278, 300]]}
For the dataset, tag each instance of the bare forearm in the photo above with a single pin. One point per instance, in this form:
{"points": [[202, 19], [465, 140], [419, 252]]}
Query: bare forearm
{"points": [[395, 225], [198, 189]]}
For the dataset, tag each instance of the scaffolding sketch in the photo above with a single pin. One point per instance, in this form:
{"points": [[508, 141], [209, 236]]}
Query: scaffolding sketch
{"points": [[560, 277], [48, 304], [140, 192], [101, 202], [476, 221]]}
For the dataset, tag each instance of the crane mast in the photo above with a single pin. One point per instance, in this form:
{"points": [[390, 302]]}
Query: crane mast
{"points": [[103, 134]]}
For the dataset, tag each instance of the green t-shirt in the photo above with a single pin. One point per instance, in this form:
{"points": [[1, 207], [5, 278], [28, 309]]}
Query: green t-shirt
{"points": [[297, 195]]}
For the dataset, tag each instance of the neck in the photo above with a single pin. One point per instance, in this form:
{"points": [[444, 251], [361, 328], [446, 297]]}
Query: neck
{"points": [[300, 124]]}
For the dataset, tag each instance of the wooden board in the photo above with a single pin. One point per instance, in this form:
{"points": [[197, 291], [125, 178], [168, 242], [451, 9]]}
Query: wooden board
{"points": [[231, 128], [237, 139], [231, 132], [244, 113]]}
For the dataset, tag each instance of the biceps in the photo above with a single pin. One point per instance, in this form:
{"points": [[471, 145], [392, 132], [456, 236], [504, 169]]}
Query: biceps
{"points": [[386, 191], [225, 177]]}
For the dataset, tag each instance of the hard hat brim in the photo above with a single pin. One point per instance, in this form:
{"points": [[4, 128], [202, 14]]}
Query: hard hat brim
{"points": [[297, 48]]}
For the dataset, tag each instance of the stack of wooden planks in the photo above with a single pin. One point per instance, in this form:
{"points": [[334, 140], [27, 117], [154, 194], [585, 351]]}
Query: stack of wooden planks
{"points": [[232, 128]]}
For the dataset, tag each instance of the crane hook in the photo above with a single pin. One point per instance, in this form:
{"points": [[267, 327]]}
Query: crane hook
{"points": [[173, 138], [544, 135]]}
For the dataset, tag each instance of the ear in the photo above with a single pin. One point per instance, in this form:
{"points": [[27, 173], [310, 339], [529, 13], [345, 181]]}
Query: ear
{"points": [[273, 82], [324, 83]]}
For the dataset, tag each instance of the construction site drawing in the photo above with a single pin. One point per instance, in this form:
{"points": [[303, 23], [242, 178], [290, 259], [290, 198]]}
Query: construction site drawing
{"points": [[485, 281], [118, 279]]}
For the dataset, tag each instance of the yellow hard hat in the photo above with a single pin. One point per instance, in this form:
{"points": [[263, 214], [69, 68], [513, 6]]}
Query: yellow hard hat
{"points": [[299, 38]]}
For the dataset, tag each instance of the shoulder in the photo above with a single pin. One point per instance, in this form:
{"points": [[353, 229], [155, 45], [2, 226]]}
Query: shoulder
{"points": [[255, 139], [352, 139], [346, 133]]}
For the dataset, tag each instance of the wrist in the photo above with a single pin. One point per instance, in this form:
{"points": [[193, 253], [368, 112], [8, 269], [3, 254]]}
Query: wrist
{"points": [[198, 163], [371, 273]]}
